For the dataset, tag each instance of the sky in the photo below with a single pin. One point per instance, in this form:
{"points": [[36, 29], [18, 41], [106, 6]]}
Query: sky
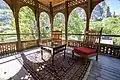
{"points": [[114, 5]]}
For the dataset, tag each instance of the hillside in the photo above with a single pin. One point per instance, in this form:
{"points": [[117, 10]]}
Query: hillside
{"points": [[5, 14], [101, 11]]}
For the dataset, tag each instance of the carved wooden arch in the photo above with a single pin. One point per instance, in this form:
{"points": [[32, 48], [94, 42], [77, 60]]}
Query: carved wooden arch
{"points": [[84, 4], [70, 5], [43, 8], [84, 9], [70, 11], [61, 11], [45, 12], [59, 8], [37, 8], [29, 2], [56, 14], [80, 6], [84, 12], [31, 7], [40, 11], [9, 3], [94, 5]]}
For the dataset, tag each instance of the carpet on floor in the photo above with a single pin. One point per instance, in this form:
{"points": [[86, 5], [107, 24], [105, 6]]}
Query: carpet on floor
{"points": [[63, 68]]}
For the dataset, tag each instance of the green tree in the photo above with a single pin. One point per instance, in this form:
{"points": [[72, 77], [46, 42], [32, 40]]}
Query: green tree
{"points": [[45, 25], [27, 23], [76, 25], [59, 22], [7, 23]]}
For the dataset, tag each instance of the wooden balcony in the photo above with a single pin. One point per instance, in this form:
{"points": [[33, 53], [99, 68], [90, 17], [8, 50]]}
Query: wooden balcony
{"points": [[107, 65], [23, 60], [11, 47], [30, 59]]}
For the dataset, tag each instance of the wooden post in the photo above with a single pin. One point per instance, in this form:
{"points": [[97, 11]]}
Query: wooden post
{"points": [[88, 13], [66, 22], [16, 13], [37, 20], [51, 17]]}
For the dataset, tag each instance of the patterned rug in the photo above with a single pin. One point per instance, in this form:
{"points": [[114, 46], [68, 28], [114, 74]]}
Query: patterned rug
{"points": [[63, 68]]}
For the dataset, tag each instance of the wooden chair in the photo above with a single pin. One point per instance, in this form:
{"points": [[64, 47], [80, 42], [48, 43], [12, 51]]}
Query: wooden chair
{"points": [[57, 37], [90, 45]]}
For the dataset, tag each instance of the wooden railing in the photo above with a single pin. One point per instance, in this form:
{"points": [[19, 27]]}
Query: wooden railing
{"points": [[6, 48], [10, 47], [105, 49], [45, 41], [111, 50], [29, 44]]}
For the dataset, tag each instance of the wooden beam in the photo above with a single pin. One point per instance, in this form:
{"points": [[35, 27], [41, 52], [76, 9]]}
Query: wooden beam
{"points": [[62, 2], [37, 20], [51, 17], [88, 13], [16, 13], [66, 21]]}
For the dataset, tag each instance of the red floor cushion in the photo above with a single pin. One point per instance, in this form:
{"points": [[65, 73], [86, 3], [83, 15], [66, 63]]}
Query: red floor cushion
{"points": [[84, 50]]}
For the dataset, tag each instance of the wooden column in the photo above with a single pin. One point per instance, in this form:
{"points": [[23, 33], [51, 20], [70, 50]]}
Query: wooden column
{"points": [[66, 21], [51, 17], [37, 15], [88, 13], [16, 15]]}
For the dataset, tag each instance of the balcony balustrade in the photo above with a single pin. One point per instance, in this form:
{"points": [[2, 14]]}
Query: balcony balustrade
{"points": [[10, 48]]}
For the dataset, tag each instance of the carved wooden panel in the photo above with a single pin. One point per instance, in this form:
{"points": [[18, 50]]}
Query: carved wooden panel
{"points": [[44, 7], [112, 50], [32, 2], [7, 48], [105, 49], [54, 2], [45, 42], [58, 8], [75, 2], [57, 37], [29, 44]]}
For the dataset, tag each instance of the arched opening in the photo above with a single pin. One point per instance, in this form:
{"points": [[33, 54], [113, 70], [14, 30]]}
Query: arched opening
{"points": [[45, 25], [59, 23], [7, 24], [107, 15], [27, 24], [76, 24]]}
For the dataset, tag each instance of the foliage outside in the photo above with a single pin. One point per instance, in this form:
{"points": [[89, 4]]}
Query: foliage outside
{"points": [[27, 24], [45, 25], [7, 24]]}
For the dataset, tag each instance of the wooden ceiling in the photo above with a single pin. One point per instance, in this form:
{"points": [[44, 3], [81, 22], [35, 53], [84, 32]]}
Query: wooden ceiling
{"points": [[54, 2]]}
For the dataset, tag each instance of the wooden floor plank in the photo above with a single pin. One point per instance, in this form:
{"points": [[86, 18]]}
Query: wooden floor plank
{"points": [[107, 68]]}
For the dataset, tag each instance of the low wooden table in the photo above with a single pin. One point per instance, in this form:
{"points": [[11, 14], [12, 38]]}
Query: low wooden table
{"points": [[54, 49]]}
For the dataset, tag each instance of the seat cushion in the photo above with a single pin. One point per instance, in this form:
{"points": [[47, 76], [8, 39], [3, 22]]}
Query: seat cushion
{"points": [[84, 51]]}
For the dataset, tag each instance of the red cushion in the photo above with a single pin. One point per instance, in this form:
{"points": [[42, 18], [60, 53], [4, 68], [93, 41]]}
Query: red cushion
{"points": [[85, 51]]}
